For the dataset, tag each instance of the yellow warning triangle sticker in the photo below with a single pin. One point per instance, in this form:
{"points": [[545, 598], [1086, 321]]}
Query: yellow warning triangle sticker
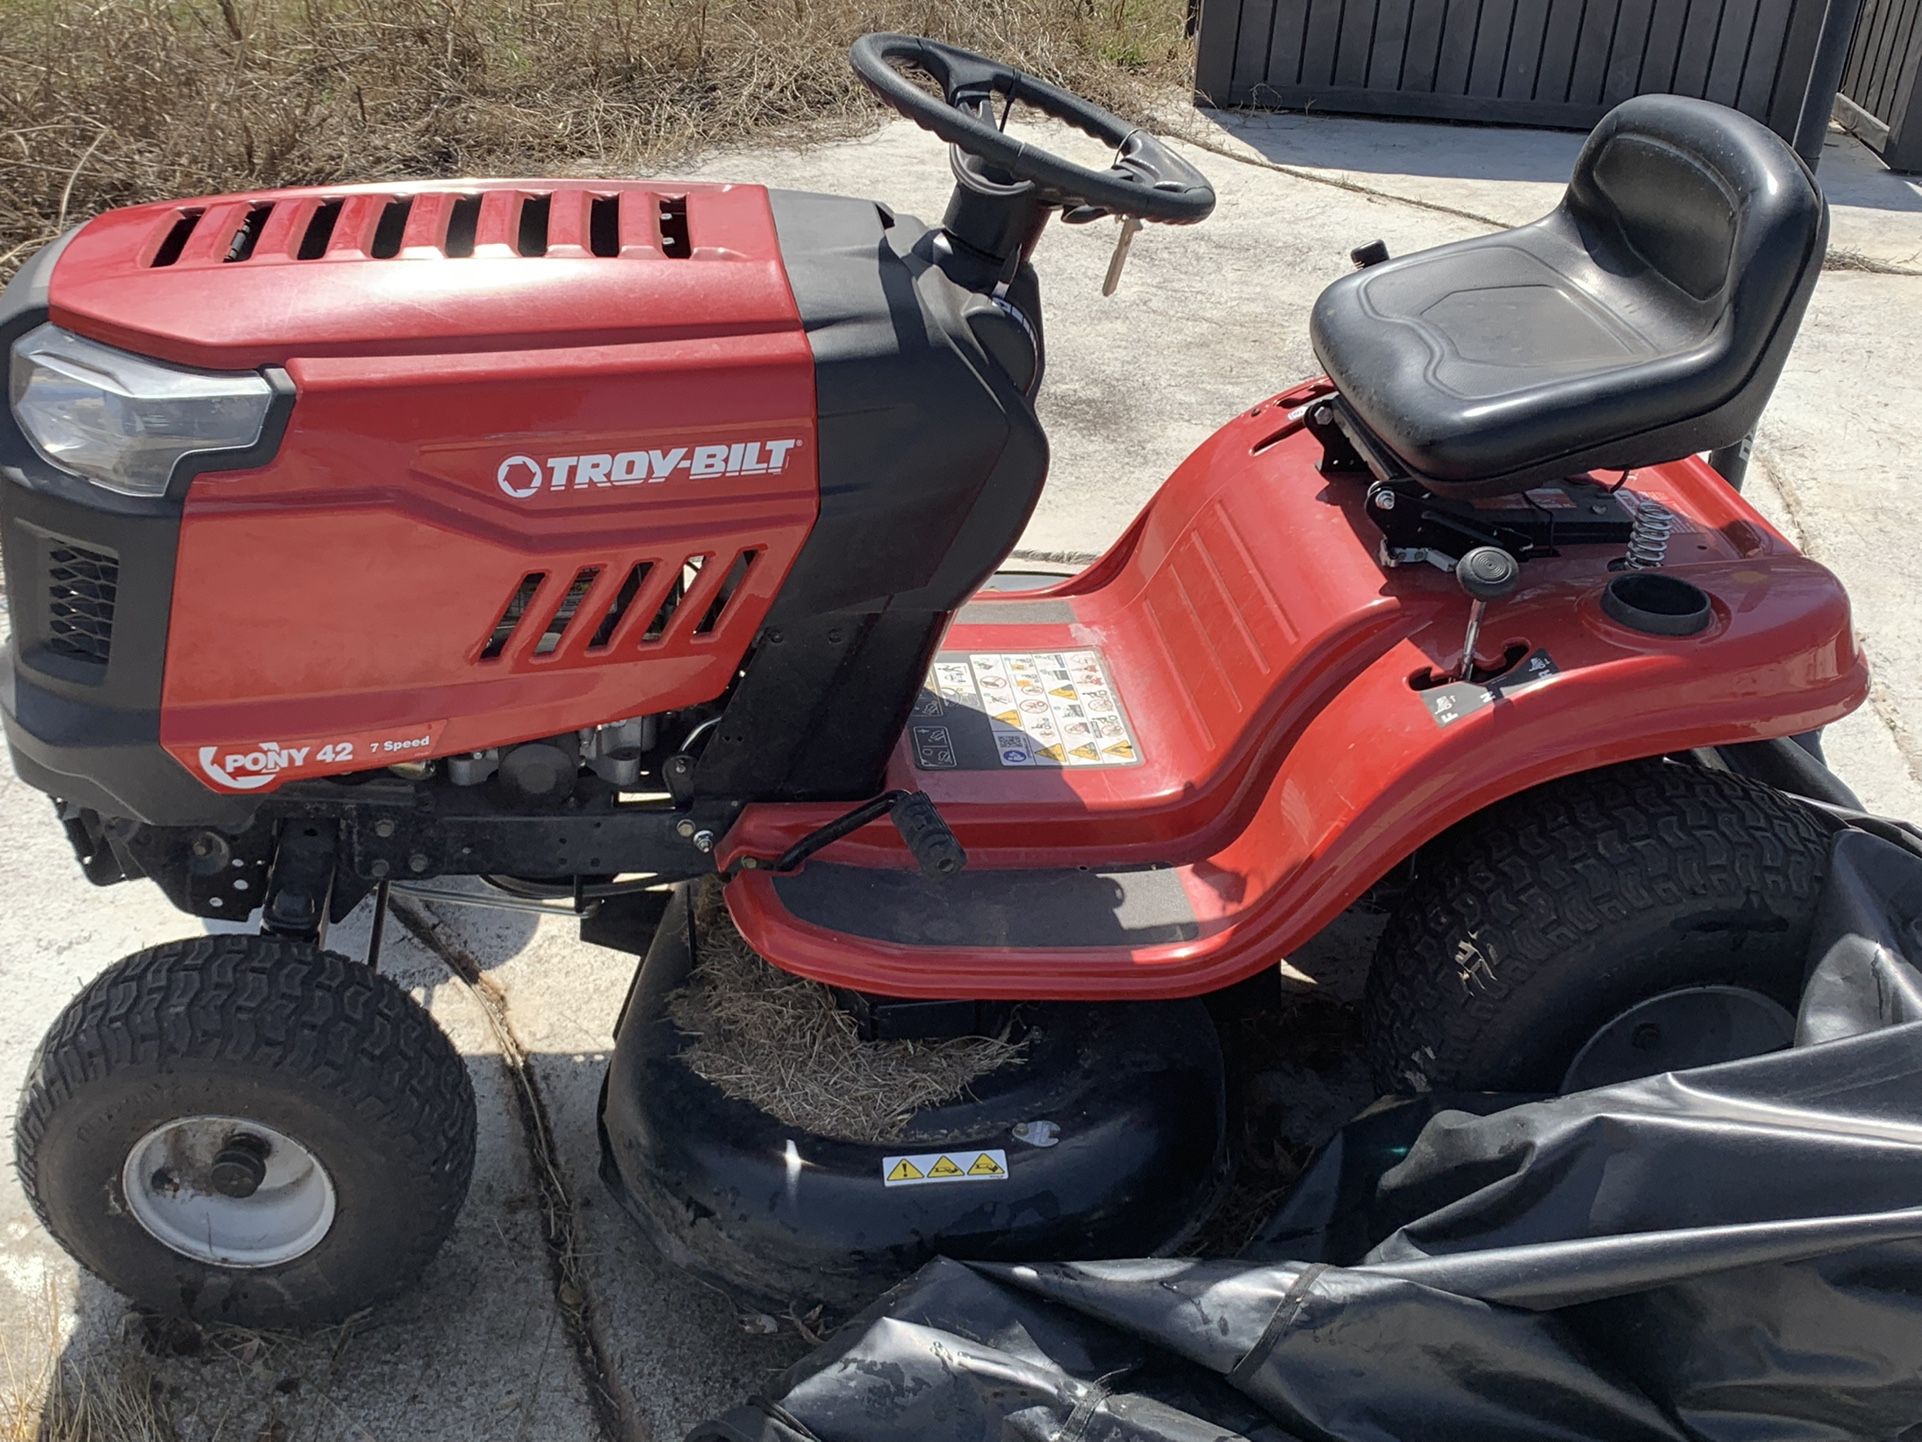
{"points": [[1053, 753], [1065, 692], [1086, 751], [1012, 718], [1121, 749], [944, 1168], [984, 1166], [906, 1171]]}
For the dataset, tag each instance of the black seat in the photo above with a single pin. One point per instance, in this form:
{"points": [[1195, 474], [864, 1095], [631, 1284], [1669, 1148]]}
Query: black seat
{"points": [[1647, 318]]}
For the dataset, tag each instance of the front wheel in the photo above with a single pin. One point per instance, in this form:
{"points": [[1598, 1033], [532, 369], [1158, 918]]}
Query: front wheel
{"points": [[247, 1130], [1627, 921]]}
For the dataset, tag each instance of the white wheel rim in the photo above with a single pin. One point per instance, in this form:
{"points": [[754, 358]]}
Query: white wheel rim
{"points": [[172, 1180]]}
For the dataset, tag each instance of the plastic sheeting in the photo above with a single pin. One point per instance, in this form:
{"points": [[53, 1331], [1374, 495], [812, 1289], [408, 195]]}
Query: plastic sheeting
{"points": [[1730, 1253]]}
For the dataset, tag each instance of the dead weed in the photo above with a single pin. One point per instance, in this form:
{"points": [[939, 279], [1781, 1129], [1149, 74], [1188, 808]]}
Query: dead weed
{"points": [[110, 102]]}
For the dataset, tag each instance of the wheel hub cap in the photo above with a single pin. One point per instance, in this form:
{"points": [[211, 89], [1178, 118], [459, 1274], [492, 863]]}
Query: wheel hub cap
{"points": [[241, 1166], [228, 1191], [1688, 1027]]}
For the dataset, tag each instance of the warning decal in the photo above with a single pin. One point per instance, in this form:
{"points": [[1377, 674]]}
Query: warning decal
{"points": [[934, 1167], [983, 710]]}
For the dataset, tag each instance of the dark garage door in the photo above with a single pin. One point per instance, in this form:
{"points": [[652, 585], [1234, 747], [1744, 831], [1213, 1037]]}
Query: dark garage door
{"points": [[1880, 84], [1528, 62]]}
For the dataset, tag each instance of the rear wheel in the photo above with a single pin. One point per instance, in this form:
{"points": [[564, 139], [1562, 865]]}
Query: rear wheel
{"points": [[1621, 922], [246, 1129]]}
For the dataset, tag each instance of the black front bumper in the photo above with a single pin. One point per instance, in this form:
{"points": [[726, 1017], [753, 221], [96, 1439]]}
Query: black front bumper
{"points": [[89, 585]]}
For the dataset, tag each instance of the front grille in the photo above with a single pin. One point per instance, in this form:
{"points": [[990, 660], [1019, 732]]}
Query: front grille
{"points": [[81, 589]]}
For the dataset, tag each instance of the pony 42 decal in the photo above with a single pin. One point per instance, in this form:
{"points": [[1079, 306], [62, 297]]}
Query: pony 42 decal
{"points": [[260, 765]]}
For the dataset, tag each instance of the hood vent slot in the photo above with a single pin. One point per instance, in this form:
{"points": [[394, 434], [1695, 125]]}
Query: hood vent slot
{"points": [[604, 225], [730, 583], [564, 613], [248, 236], [683, 583], [531, 239], [463, 221], [623, 599], [511, 614], [675, 244], [393, 224], [320, 230], [176, 238]]}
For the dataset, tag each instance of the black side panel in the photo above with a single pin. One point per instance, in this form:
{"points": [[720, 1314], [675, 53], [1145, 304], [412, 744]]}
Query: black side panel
{"points": [[90, 585], [819, 707], [931, 458], [931, 461]]}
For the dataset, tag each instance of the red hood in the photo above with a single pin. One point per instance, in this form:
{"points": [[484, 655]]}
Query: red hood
{"points": [[236, 282]]}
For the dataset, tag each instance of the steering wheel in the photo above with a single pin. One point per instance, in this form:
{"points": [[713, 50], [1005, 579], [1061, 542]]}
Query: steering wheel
{"points": [[1147, 181]]}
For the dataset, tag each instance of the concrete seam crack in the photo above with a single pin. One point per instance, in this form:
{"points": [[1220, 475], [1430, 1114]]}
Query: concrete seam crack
{"points": [[617, 1418], [1337, 182]]}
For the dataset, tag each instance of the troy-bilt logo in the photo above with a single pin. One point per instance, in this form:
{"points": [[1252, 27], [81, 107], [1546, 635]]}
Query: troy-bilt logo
{"points": [[247, 767], [523, 477]]}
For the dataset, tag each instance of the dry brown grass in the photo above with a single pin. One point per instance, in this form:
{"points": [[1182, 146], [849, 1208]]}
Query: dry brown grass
{"points": [[54, 1395], [782, 1044], [107, 102]]}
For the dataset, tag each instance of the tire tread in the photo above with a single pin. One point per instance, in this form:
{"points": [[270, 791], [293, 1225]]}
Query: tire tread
{"points": [[1551, 872], [268, 1005]]}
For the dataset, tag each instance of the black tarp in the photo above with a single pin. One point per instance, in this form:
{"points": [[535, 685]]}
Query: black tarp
{"points": [[1733, 1252]]}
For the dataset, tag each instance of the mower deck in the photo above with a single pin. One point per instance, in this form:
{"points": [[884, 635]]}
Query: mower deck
{"points": [[1286, 730]]}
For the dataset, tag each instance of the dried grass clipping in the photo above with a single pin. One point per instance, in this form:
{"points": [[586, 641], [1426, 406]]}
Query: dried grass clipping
{"points": [[780, 1043]]}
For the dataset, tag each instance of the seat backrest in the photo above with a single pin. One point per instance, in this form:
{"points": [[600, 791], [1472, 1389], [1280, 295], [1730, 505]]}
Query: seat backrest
{"points": [[1715, 204]]}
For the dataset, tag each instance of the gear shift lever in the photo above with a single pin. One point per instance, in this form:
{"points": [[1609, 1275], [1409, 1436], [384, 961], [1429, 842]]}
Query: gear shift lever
{"points": [[1486, 573]]}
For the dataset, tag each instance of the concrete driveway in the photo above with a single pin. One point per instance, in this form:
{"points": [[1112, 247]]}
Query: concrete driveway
{"points": [[546, 1316]]}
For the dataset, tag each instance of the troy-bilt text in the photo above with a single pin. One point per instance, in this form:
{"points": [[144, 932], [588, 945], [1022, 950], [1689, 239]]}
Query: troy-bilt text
{"points": [[523, 477]]}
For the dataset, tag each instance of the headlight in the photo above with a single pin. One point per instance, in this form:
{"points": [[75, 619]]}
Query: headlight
{"points": [[121, 420]]}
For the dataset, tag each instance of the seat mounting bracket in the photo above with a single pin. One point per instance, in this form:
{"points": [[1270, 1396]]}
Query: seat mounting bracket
{"points": [[1419, 527]]}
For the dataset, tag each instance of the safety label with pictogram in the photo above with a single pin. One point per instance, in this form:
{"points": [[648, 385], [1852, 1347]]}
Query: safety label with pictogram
{"points": [[931, 1168], [984, 710]]}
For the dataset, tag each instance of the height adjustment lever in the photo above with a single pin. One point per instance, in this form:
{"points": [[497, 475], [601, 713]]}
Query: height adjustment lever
{"points": [[1486, 573]]}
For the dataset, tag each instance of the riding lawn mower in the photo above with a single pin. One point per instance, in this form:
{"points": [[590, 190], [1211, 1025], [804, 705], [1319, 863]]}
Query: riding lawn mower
{"points": [[645, 547]]}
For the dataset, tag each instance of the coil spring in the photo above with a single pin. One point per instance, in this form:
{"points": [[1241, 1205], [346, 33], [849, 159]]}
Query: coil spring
{"points": [[1648, 536]]}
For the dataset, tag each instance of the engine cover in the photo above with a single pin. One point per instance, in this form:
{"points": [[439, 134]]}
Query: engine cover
{"points": [[542, 431], [546, 455]]}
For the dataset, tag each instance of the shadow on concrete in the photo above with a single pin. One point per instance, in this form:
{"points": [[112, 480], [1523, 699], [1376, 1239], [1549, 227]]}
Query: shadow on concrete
{"points": [[1427, 148], [1851, 173]]}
